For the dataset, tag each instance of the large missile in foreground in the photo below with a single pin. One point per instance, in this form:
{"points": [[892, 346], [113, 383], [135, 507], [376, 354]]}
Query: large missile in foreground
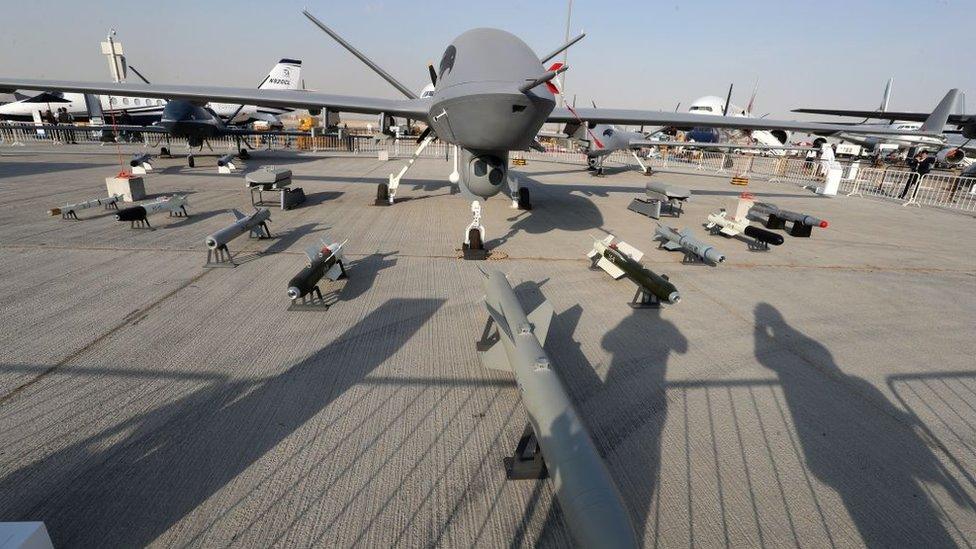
{"points": [[684, 240], [253, 223], [69, 210], [324, 260], [173, 204], [774, 217], [257, 224], [621, 259], [595, 512]]}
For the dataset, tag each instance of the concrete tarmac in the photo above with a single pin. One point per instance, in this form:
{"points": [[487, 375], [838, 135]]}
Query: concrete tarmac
{"points": [[822, 393]]}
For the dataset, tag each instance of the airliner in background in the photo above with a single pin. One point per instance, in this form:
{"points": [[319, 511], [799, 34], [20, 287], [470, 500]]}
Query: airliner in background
{"points": [[285, 75]]}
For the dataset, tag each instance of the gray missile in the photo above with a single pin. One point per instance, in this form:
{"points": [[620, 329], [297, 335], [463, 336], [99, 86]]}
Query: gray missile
{"points": [[225, 160], [140, 159], [674, 240], [242, 224], [621, 259], [69, 210], [324, 260], [775, 218], [594, 509]]}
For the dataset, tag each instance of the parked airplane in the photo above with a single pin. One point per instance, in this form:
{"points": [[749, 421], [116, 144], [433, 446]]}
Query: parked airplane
{"points": [[492, 96], [773, 140], [950, 149], [286, 75]]}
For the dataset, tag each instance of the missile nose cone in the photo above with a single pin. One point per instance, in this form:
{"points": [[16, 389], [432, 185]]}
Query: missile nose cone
{"points": [[823, 224], [674, 298], [721, 259], [293, 293], [211, 243]]}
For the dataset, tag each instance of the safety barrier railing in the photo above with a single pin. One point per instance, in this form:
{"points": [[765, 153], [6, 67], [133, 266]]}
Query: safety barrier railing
{"points": [[937, 190]]}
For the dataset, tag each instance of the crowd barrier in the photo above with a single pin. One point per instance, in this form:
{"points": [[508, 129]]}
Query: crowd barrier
{"points": [[940, 190]]}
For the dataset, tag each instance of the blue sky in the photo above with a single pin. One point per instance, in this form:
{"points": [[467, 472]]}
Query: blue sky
{"points": [[637, 54]]}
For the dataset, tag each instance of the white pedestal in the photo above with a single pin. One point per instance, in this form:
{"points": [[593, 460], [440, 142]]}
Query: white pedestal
{"points": [[131, 188], [24, 535], [831, 183]]}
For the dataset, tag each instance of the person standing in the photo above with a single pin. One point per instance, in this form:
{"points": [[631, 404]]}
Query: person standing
{"points": [[63, 120], [920, 165]]}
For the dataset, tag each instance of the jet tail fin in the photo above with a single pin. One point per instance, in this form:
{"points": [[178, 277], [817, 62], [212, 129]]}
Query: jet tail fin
{"points": [[937, 120], [286, 75], [886, 97], [238, 215]]}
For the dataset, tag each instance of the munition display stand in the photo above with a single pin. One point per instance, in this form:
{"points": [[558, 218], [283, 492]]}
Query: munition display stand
{"points": [[654, 207], [527, 463], [798, 230], [648, 207], [646, 300], [221, 256], [288, 198]]}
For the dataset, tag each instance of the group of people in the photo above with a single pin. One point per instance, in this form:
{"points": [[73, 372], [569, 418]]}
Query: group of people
{"points": [[62, 117]]}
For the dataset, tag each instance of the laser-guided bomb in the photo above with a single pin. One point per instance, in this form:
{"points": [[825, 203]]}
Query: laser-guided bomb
{"points": [[513, 342], [70, 210], [256, 224], [685, 240], [621, 259], [175, 205], [774, 217], [324, 260]]}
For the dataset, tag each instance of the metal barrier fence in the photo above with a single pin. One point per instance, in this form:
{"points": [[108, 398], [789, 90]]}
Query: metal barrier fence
{"points": [[937, 190]]}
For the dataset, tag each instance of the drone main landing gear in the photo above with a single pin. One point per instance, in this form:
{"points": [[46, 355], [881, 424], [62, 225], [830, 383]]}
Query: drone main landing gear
{"points": [[519, 194], [386, 193]]}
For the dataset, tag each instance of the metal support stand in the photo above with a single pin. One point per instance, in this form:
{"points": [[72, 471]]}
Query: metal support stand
{"points": [[800, 230], [758, 246], [256, 232], [775, 222], [70, 214], [144, 222], [527, 463], [311, 302], [489, 336], [646, 300], [179, 213], [219, 257]]}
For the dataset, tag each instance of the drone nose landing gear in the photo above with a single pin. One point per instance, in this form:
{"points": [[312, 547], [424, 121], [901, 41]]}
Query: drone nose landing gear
{"points": [[474, 236]]}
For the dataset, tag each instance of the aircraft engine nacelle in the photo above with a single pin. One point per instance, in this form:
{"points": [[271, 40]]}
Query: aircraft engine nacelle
{"points": [[950, 156], [483, 174], [782, 136]]}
